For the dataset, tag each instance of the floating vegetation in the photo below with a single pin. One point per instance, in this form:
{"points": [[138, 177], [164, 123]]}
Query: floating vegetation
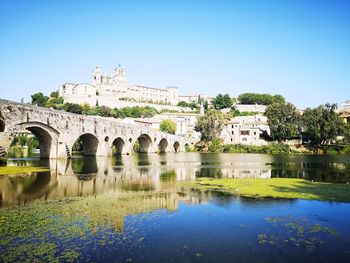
{"points": [[61, 230], [297, 233], [289, 188], [21, 169]]}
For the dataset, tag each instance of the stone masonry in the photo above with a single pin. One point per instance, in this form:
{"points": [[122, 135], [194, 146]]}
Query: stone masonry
{"points": [[57, 131]]}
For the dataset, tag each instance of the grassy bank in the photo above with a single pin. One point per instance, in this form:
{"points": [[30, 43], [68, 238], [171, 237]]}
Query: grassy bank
{"points": [[21, 169], [289, 188], [216, 146], [272, 148]]}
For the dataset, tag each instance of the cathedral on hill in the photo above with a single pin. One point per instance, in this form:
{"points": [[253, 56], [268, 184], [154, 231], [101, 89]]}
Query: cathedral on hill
{"points": [[113, 89]]}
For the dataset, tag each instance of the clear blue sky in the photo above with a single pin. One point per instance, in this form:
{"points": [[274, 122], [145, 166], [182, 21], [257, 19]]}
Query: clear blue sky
{"points": [[300, 49]]}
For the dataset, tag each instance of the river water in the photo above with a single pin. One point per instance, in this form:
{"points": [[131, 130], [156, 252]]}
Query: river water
{"points": [[132, 209]]}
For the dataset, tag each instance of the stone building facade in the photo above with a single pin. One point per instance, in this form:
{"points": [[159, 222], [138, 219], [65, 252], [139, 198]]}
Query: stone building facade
{"points": [[113, 90], [245, 130]]}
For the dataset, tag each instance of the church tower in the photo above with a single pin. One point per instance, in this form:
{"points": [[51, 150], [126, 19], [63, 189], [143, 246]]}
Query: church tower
{"points": [[119, 75], [96, 76]]}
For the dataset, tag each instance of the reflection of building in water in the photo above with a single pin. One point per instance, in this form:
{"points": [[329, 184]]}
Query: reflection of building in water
{"points": [[95, 176], [137, 204], [84, 177], [246, 173], [190, 199]]}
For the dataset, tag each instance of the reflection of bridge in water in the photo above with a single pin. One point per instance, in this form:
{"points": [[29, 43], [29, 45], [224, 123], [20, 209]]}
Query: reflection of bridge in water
{"points": [[90, 176], [84, 176]]}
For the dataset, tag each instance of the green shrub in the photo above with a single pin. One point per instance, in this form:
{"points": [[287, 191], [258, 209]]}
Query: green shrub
{"points": [[215, 145]]}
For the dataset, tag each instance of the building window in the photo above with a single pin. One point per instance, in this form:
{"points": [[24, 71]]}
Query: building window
{"points": [[232, 126], [244, 139], [254, 133], [244, 132], [232, 133]]}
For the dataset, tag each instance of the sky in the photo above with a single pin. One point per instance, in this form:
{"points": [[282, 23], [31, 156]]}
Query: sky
{"points": [[299, 49]]}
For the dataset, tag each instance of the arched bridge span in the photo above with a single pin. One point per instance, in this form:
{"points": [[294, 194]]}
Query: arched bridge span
{"points": [[57, 131]]}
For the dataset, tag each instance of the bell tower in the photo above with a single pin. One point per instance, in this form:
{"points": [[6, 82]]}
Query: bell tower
{"points": [[120, 75], [96, 76]]}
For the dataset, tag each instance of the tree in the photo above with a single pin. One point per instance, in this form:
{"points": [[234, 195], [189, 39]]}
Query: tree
{"points": [[72, 107], [168, 126], [54, 94], [347, 133], [86, 109], [192, 104], [54, 102], [283, 121], [278, 99], [222, 101], [210, 125], [134, 112], [39, 99], [322, 124], [182, 104], [262, 99], [98, 111]]}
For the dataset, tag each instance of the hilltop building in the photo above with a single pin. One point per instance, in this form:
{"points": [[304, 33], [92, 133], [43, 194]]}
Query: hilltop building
{"points": [[346, 105], [344, 111], [113, 90]]}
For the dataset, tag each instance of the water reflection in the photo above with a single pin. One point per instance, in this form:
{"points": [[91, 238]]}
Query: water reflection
{"points": [[82, 176], [127, 211]]}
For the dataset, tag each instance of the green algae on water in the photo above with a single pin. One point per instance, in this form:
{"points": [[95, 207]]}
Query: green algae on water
{"points": [[296, 233], [289, 188], [21, 169], [59, 231]]}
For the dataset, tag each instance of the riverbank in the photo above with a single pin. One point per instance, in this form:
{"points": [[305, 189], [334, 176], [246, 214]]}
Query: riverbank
{"points": [[288, 188], [216, 146]]}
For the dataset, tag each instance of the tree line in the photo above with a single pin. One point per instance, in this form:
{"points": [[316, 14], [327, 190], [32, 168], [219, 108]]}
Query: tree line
{"points": [[318, 126], [225, 101], [56, 102], [315, 126]]}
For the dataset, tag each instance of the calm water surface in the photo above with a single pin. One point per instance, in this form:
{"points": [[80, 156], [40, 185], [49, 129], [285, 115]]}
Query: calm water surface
{"points": [[130, 209]]}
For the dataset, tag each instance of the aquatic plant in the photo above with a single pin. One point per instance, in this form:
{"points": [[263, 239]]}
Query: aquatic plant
{"points": [[296, 233], [289, 188], [21, 169]]}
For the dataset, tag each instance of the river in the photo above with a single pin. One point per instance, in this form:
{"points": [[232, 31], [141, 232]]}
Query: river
{"points": [[132, 209]]}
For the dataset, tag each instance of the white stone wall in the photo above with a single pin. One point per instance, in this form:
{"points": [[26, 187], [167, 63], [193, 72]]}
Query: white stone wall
{"points": [[245, 130], [194, 98], [250, 108]]}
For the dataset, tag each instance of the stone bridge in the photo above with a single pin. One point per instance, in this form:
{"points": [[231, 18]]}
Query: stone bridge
{"points": [[57, 131]]}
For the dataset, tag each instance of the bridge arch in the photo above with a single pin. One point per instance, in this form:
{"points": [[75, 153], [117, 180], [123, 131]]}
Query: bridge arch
{"points": [[44, 139], [47, 136], [2, 125], [163, 145], [118, 143], [145, 142], [89, 143], [176, 146]]}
